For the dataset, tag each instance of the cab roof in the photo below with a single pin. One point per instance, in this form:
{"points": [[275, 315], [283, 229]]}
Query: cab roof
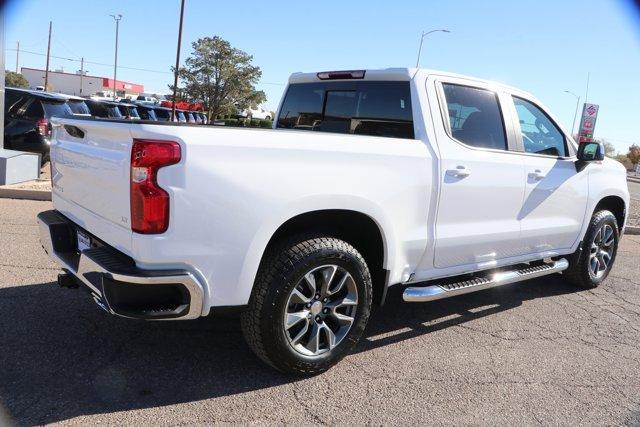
{"points": [[387, 74]]}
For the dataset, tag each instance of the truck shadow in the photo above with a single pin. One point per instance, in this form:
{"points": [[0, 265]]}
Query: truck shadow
{"points": [[62, 357]]}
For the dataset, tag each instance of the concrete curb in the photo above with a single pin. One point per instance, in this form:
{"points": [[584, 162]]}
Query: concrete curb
{"points": [[15, 193], [632, 230]]}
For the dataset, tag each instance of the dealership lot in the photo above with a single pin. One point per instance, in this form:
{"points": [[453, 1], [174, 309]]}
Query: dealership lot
{"points": [[540, 351]]}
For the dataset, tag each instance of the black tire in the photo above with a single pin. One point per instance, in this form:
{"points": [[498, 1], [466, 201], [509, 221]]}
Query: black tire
{"points": [[580, 272], [280, 272], [268, 118]]}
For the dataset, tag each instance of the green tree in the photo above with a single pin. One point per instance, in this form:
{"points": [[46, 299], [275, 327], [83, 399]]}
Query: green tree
{"points": [[220, 76], [12, 79], [609, 149], [634, 154]]}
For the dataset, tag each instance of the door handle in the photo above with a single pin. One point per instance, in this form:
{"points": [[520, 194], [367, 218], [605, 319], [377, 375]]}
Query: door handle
{"points": [[458, 172], [537, 175]]}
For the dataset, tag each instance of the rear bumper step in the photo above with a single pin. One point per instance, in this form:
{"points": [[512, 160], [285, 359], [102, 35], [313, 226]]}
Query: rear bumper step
{"points": [[116, 284], [500, 278]]}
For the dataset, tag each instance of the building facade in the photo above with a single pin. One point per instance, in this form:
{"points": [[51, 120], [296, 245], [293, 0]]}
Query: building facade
{"points": [[80, 85]]}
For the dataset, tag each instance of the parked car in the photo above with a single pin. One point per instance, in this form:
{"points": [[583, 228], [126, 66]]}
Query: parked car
{"points": [[104, 109], [78, 105], [149, 99], [128, 110], [435, 182], [27, 119], [258, 113], [146, 112]]}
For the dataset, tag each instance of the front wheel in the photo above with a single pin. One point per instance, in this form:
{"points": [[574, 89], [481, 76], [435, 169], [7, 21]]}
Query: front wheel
{"points": [[310, 304], [591, 264]]}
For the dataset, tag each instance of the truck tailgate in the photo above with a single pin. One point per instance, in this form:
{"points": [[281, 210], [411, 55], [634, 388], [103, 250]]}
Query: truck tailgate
{"points": [[90, 174]]}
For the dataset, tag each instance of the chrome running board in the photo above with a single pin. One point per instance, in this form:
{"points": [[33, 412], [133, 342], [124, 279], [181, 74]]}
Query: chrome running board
{"points": [[499, 278]]}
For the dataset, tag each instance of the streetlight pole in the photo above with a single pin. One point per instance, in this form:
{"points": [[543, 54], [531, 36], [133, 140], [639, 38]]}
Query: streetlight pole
{"points": [[424, 34], [116, 18], [575, 115]]}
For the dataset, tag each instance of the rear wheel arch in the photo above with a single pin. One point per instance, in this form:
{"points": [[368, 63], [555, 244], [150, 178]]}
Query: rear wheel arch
{"points": [[356, 228]]}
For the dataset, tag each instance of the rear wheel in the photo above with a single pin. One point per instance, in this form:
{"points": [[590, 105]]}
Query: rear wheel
{"points": [[310, 305], [590, 265]]}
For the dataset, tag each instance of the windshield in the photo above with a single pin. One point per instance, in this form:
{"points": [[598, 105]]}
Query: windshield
{"points": [[133, 112], [113, 111], [147, 114], [162, 114], [78, 107]]}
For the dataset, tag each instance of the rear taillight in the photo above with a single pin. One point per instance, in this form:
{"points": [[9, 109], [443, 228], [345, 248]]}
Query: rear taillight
{"points": [[44, 127], [149, 202]]}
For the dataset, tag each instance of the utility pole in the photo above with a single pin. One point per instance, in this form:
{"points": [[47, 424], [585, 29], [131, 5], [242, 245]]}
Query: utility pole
{"points": [[17, 54], [81, 73], [175, 77], [46, 71], [117, 18]]}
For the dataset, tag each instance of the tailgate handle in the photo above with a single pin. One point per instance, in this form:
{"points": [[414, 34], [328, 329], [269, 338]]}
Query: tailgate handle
{"points": [[74, 131]]}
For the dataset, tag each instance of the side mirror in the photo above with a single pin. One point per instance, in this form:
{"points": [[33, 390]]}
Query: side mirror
{"points": [[590, 152]]}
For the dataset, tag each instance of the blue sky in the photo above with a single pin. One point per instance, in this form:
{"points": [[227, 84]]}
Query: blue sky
{"points": [[541, 46]]}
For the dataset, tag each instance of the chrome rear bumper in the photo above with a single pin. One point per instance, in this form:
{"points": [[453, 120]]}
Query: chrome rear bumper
{"points": [[116, 284]]}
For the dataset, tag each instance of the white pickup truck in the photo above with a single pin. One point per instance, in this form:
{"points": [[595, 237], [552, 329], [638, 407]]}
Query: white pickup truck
{"points": [[436, 182]]}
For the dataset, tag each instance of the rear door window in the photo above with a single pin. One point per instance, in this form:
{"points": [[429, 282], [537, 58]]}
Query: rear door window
{"points": [[56, 109], [475, 118], [13, 101], [360, 108], [32, 110]]}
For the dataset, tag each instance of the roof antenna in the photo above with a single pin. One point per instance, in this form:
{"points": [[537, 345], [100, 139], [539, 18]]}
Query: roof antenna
{"points": [[424, 34]]}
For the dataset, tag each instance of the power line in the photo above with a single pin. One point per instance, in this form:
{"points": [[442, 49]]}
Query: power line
{"points": [[119, 66], [91, 62]]}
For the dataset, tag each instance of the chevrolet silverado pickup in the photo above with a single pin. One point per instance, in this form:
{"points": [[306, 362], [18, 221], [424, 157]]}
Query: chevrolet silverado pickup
{"points": [[435, 182]]}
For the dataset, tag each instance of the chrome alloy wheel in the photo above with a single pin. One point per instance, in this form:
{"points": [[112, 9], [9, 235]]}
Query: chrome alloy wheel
{"points": [[601, 251], [320, 310]]}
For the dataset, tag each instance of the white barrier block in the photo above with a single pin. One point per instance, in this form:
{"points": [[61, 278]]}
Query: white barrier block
{"points": [[18, 166]]}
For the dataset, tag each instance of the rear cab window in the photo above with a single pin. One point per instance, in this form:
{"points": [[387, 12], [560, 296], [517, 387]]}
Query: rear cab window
{"points": [[375, 108]]}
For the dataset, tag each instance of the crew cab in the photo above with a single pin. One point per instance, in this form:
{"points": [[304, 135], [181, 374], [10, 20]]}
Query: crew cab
{"points": [[438, 183]]}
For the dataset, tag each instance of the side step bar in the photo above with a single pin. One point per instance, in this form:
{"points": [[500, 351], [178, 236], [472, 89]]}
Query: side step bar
{"points": [[505, 277]]}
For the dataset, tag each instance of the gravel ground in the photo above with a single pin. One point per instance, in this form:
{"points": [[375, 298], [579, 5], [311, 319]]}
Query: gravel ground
{"points": [[537, 352]]}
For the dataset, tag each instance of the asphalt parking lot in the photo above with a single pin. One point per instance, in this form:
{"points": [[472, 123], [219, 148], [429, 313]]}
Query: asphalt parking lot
{"points": [[537, 352]]}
